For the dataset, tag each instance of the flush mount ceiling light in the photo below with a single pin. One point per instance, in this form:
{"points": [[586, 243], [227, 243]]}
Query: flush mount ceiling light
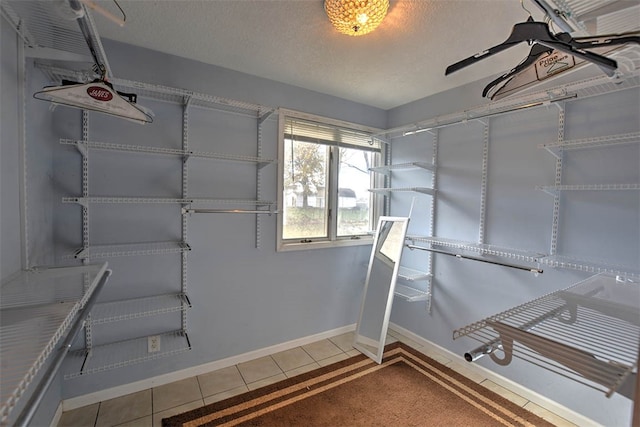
{"points": [[356, 17]]}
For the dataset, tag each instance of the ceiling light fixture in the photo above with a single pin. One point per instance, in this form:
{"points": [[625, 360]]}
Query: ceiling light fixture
{"points": [[356, 17]]}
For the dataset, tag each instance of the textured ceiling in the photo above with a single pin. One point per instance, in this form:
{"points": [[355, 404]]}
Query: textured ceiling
{"points": [[292, 41]]}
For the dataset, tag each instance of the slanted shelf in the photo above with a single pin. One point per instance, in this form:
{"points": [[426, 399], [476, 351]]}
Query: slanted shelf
{"points": [[126, 353], [422, 190], [402, 166], [137, 308], [37, 309], [411, 293], [132, 249], [554, 189], [588, 332]]}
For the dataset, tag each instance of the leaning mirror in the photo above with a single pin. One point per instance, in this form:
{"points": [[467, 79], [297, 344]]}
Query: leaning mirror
{"points": [[375, 309]]}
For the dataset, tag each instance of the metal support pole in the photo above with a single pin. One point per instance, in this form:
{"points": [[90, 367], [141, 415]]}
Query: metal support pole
{"points": [[184, 219], [24, 419], [387, 180], [558, 181], [22, 138], [261, 119], [88, 331], [432, 211], [483, 187]]}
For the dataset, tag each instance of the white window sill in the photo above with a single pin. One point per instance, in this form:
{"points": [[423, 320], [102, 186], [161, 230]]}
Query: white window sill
{"points": [[322, 244]]}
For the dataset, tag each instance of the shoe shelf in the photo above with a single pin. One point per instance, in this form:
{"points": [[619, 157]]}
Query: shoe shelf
{"points": [[588, 332], [412, 275], [37, 310], [422, 190], [132, 249], [554, 189], [400, 166], [137, 308], [556, 149], [411, 293], [120, 354]]}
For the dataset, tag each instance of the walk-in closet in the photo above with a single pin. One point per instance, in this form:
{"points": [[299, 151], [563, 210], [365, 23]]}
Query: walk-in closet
{"points": [[192, 185]]}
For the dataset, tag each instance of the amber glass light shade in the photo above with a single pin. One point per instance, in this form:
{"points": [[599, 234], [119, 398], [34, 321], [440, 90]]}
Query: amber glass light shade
{"points": [[356, 17]]}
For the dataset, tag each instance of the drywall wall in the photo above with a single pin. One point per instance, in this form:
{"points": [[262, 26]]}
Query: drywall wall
{"points": [[593, 224], [244, 298]]}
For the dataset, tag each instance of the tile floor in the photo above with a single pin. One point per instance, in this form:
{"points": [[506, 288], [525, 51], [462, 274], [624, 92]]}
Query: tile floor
{"points": [[147, 408]]}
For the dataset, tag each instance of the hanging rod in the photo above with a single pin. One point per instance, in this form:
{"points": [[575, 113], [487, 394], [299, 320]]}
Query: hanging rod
{"points": [[243, 211], [503, 264]]}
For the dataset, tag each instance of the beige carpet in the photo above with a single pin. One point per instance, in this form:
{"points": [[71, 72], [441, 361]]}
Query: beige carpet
{"points": [[407, 389]]}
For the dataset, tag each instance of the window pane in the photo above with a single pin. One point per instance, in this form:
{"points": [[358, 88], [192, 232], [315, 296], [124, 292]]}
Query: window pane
{"points": [[305, 207], [354, 197]]}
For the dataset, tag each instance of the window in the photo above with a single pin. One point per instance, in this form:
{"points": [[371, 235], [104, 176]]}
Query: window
{"points": [[324, 182]]}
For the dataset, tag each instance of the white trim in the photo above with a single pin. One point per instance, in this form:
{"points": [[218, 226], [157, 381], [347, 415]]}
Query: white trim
{"points": [[110, 393], [528, 394], [323, 244], [331, 241], [327, 120]]}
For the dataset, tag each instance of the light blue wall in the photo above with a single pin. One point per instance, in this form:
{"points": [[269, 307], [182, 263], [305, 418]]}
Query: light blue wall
{"points": [[593, 225], [243, 298]]}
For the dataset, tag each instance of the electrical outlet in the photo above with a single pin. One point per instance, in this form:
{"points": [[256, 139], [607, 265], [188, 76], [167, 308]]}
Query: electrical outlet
{"points": [[153, 344]]}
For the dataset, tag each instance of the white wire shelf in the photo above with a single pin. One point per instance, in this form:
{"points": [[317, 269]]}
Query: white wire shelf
{"points": [[38, 307], [163, 93], [422, 190], [590, 266], [554, 189], [412, 275], [557, 148], [51, 37], [582, 89], [479, 248], [402, 166], [588, 332], [84, 201], [410, 294], [126, 353], [164, 151], [137, 308], [132, 249]]}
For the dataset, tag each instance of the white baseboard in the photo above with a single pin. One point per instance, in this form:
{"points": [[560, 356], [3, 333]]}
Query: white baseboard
{"points": [[57, 416], [110, 393], [528, 394], [102, 395]]}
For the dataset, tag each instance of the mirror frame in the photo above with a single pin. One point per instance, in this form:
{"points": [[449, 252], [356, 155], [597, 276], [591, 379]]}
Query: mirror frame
{"points": [[377, 357]]}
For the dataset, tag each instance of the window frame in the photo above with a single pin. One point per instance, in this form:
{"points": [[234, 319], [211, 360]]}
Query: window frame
{"points": [[332, 239]]}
